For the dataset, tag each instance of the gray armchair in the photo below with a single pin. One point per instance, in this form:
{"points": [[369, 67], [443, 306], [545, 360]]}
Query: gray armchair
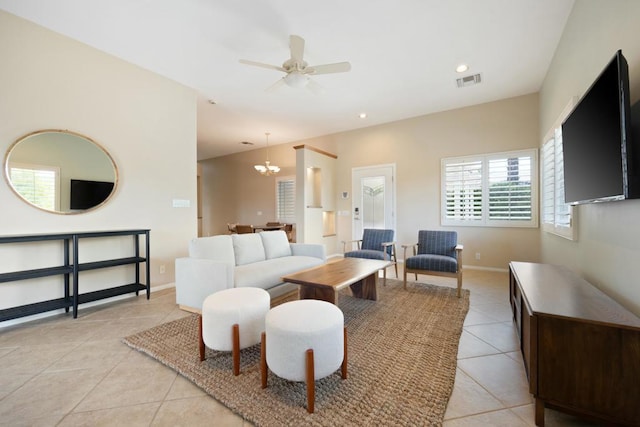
{"points": [[438, 254], [375, 244]]}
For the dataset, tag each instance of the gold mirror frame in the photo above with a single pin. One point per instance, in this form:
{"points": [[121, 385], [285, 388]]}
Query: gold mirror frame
{"points": [[73, 155]]}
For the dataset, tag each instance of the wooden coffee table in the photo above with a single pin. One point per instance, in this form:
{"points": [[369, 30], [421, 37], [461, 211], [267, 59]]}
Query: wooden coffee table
{"points": [[324, 281]]}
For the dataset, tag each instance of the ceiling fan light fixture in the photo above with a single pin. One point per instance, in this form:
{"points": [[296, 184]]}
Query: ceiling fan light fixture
{"points": [[297, 72], [296, 79]]}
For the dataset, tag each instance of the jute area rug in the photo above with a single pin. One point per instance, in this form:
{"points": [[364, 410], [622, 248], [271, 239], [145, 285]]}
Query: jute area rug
{"points": [[402, 352]]}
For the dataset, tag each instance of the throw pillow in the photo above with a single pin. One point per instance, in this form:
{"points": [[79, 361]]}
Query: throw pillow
{"points": [[276, 244], [248, 248]]}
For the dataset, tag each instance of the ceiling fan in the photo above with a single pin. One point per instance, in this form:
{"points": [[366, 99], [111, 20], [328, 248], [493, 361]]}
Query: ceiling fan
{"points": [[297, 70]]}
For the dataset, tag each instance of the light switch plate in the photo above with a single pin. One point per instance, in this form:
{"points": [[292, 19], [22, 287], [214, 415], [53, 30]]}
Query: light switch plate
{"points": [[181, 203]]}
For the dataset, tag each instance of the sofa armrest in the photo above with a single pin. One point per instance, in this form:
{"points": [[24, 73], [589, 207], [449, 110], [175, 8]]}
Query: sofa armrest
{"points": [[197, 278], [309, 249]]}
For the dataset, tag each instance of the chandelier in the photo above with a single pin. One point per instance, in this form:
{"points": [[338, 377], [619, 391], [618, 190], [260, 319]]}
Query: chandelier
{"points": [[267, 169]]}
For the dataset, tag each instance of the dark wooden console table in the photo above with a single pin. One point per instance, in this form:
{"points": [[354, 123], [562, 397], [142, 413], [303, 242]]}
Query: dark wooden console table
{"points": [[70, 267], [581, 349]]}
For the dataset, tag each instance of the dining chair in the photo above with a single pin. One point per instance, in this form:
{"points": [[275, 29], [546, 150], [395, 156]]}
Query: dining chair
{"points": [[244, 229], [288, 228]]}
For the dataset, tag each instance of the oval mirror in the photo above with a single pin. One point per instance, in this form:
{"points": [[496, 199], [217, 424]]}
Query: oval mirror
{"points": [[60, 171]]}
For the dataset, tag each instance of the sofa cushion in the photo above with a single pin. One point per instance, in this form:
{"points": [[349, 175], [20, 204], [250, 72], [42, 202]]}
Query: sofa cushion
{"points": [[216, 248], [276, 244], [247, 248], [266, 274]]}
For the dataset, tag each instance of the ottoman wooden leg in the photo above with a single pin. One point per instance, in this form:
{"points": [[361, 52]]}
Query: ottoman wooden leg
{"points": [[201, 340], [263, 360], [344, 359], [311, 382], [236, 349]]}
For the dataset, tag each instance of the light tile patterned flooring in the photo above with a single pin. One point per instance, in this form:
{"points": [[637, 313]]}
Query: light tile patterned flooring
{"points": [[61, 371]]}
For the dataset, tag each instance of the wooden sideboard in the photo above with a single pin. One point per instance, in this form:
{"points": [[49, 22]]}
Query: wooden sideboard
{"points": [[70, 268], [581, 349]]}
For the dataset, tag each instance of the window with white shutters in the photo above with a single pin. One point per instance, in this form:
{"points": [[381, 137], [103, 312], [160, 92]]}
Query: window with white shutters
{"points": [[286, 199], [463, 190], [37, 184], [557, 216], [495, 190]]}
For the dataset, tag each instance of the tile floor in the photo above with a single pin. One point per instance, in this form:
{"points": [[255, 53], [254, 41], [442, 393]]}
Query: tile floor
{"points": [[61, 371]]}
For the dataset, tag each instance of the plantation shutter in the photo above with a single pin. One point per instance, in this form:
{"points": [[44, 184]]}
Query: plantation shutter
{"points": [[286, 200], [548, 182], [510, 189], [562, 209], [555, 211], [463, 189]]}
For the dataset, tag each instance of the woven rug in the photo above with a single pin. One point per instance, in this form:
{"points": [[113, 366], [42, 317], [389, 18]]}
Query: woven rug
{"points": [[402, 356]]}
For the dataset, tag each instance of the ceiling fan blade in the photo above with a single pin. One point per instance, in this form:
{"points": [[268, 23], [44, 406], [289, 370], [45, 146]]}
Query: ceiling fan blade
{"points": [[276, 85], [316, 88], [296, 44], [338, 67], [260, 64]]}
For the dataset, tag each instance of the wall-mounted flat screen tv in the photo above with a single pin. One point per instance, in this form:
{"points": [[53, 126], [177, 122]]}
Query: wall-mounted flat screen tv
{"points": [[87, 194], [598, 149]]}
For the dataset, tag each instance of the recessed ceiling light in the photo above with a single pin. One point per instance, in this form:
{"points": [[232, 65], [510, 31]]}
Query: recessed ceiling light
{"points": [[462, 68], [363, 115], [211, 101]]}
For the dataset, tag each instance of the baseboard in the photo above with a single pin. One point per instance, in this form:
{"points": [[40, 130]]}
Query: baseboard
{"points": [[20, 320], [189, 309], [478, 267]]}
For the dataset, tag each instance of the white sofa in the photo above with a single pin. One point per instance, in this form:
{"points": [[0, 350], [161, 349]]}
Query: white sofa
{"points": [[239, 260]]}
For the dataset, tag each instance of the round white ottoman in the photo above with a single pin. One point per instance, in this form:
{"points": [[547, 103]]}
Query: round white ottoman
{"points": [[303, 341], [233, 319]]}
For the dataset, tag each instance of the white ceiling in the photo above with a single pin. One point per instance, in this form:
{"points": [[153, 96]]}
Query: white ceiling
{"points": [[403, 55]]}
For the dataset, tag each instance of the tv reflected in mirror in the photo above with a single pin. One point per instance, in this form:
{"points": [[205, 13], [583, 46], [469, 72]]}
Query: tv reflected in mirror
{"points": [[87, 194]]}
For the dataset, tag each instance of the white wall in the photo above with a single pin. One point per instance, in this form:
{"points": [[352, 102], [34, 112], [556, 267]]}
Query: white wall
{"points": [[146, 122], [608, 246]]}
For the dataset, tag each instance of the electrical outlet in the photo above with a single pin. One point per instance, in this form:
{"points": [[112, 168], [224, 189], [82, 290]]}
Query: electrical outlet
{"points": [[162, 269], [478, 256]]}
